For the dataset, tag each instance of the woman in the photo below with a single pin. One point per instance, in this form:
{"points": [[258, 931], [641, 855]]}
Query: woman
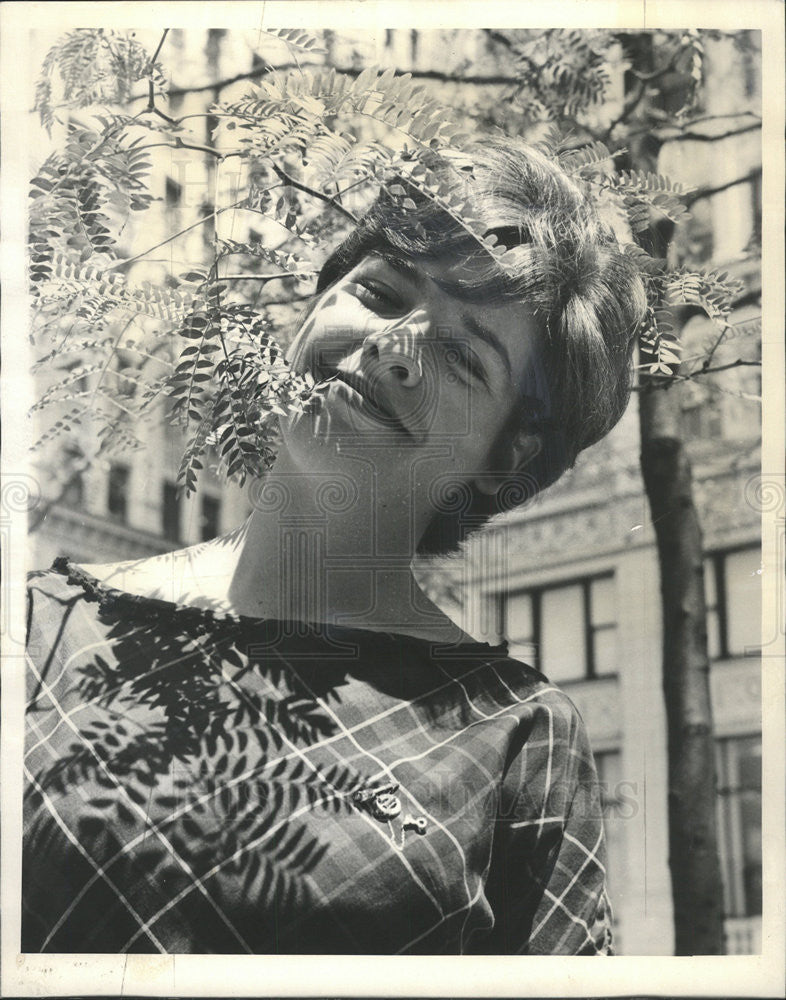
{"points": [[273, 742]]}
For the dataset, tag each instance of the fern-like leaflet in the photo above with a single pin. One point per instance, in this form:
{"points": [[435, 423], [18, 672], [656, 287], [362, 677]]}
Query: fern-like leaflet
{"points": [[660, 346], [297, 37], [95, 66], [235, 401], [641, 190], [301, 133], [712, 291]]}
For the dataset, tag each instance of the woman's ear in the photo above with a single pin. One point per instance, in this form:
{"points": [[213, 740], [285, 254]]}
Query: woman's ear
{"points": [[518, 453]]}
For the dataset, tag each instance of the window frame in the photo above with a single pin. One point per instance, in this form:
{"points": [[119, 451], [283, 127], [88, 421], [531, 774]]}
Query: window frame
{"points": [[535, 594], [717, 559], [168, 485], [729, 793], [120, 516], [217, 500]]}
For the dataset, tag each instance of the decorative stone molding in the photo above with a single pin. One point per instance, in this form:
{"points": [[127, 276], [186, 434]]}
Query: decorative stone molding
{"points": [[88, 537]]}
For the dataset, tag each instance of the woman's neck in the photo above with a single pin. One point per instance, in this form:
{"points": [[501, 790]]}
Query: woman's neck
{"points": [[314, 549]]}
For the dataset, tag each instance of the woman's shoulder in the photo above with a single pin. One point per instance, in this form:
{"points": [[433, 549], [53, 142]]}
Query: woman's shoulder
{"points": [[178, 578], [52, 581], [159, 576], [72, 598], [95, 580], [535, 691]]}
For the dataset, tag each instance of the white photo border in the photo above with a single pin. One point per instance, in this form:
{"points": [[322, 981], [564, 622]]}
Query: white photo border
{"points": [[200, 975]]}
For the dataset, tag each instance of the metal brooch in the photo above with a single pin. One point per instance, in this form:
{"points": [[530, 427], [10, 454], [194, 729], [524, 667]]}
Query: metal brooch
{"points": [[381, 802]]}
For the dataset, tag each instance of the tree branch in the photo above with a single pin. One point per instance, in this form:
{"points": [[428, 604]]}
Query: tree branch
{"points": [[667, 381], [661, 71], [39, 515], [286, 302], [708, 192], [708, 370], [676, 134], [291, 182], [151, 107], [158, 50], [259, 277], [174, 236], [180, 144], [630, 106], [720, 118], [151, 93], [479, 80]]}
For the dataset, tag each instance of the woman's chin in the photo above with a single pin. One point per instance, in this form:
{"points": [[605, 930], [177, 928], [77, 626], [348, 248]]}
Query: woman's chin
{"points": [[336, 415]]}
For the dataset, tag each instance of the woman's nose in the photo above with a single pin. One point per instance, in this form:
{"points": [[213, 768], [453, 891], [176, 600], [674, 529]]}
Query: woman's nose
{"points": [[397, 351]]}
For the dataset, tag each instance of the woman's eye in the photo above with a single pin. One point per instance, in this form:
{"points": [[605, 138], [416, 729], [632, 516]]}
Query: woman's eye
{"points": [[468, 361], [380, 298]]}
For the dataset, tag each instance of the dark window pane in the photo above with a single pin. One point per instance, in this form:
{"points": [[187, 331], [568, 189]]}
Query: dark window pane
{"points": [[563, 633], [743, 601], [74, 492], [750, 763], [211, 512], [74, 487], [173, 192], [739, 819], [117, 494], [732, 586], [604, 649], [170, 512]]}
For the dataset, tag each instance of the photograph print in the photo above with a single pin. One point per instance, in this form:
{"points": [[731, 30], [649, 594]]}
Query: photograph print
{"points": [[395, 529]]}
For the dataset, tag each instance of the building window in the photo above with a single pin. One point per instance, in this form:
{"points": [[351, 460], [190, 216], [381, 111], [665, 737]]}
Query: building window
{"points": [[170, 512], [701, 415], [206, 209], [756, 199], [210, 515], [74, 484], [124, 364], [739, 824], [732, 587], [80, 382], [117, 493], [74, 490], [616, 801], [172, 192], [568, 631], [520, 612]]}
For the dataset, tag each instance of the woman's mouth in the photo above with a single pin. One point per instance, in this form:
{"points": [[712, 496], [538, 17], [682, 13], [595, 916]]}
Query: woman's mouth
{"points": [[358, 392]]}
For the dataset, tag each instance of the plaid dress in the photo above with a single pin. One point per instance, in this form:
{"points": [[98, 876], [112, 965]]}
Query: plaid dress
{"points": [[198, 783]]}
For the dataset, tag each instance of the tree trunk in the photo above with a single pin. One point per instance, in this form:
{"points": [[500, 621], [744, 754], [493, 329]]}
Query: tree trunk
{"points": [[696, 886], [693, 855]]}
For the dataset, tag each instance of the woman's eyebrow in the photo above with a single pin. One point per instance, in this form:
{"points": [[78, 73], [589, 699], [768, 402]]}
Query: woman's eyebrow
{"points": [[407, 268], [412, 272], [489, 337]]}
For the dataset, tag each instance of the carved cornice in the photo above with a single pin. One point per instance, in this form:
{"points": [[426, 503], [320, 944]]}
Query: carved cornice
{"points": [[614, 515], [91, 536]]}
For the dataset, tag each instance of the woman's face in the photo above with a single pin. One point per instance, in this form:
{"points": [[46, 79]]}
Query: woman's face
{"points": [[409, 376]]}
